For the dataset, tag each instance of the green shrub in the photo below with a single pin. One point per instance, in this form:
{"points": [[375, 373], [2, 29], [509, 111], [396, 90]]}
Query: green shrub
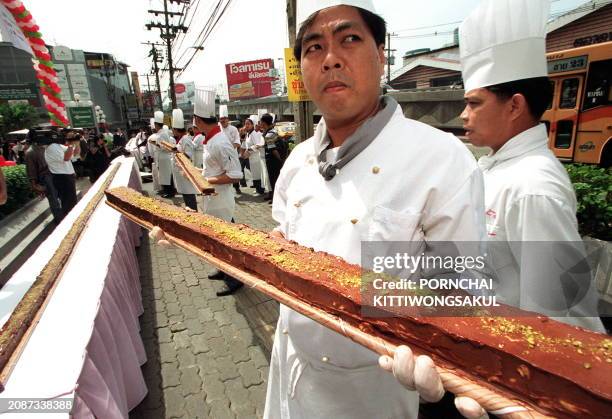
{"points": [[593, 187], [18, 187]]}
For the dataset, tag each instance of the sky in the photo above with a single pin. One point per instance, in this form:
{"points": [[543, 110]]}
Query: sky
{"points": [[248, 30]]}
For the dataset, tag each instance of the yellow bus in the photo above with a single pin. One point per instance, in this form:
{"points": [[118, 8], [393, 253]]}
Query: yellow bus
{"points": [[579, 118]]}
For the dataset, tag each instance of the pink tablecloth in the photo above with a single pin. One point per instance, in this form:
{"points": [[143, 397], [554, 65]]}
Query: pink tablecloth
{"points": [[87, 344]]}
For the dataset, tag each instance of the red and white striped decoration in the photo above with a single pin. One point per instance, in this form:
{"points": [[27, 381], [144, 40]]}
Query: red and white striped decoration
{"points": [[43, 64]]}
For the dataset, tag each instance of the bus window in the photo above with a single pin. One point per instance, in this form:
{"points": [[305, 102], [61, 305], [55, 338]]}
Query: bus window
{"points": [[598, 90], [569, 92], [552, 89], [565, 129]]}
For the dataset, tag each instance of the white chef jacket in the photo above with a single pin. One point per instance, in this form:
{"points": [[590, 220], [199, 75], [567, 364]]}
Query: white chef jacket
{"points": [[164, 158], [254, 139], [54, 156], [232, 133], [431, 189], [182, 184], [221, 157], [529, 198], [198, 151]]}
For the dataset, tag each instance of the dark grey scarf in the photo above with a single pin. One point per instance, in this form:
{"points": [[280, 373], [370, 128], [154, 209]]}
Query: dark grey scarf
{"points": [[356, 143]]}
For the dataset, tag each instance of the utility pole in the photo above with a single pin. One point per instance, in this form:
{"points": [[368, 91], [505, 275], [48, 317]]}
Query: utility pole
{"points": [[154, 54], [148, 84], [302, 111], [390, 58], [168, 33]]}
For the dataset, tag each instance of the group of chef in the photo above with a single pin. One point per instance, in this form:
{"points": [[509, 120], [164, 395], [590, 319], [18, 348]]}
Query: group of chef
{"points": [[349, 183], [212, 151]]}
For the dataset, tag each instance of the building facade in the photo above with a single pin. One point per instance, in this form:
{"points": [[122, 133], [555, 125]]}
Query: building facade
{"points": [[587, 24], [91, 76]]}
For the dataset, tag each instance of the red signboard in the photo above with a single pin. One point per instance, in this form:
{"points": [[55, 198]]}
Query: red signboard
{"points": [[179, 88], [249, 79]]}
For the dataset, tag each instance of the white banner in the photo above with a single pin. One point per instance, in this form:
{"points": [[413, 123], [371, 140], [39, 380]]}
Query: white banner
{"points": [[61, 53], [10, 32]]}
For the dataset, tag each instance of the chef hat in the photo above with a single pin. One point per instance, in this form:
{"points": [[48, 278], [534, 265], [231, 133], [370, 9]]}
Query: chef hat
{"points": [[261, 112], [254, 119], [178, 122], [159, 117], [503, 41], [152, 123], [223, 111], [305, 8], [204, 105]]}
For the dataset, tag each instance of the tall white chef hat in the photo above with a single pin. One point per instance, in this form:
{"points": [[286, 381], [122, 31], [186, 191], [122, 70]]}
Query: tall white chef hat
{"points": [[159, 117], [152, 123], [503, 41], [223, 111], [305, 8], [254, 119], [178, 121], [204, 105]]}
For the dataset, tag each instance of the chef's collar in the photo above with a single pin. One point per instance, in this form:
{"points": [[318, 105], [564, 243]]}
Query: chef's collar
{"points": [[216, 130], [355, 143], [522, 143]]}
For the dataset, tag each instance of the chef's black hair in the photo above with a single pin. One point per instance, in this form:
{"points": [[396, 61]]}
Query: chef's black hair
{"points": [[267, 118], [375, 23], [537, 92], [208, 121]]}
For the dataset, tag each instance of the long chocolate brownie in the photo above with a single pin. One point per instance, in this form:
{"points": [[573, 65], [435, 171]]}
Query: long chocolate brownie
{"points": [[562, 370], [21, 319], [193, 174]]}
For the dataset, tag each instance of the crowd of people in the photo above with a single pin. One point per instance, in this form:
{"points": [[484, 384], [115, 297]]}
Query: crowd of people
{"points": [[55, 158], [261, 152]]}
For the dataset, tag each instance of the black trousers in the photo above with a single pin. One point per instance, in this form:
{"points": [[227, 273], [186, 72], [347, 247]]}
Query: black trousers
{"points": [[190, 201], [274, 168], [65, 185]]}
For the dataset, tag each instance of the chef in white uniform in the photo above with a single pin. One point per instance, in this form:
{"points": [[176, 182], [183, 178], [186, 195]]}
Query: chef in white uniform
{"points": [[265, 179], [253, 146], [221, 168], [528, 195], [164, 157], [349, 184], [232, 133], [152, 143], [198, 148], [185, 146]]}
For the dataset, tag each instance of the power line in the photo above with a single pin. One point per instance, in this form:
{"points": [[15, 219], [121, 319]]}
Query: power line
{"points": [[208, 22], [206, 36]]}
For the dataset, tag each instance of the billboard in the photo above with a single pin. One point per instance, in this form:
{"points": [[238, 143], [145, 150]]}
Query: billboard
{"points": [[249, 79], [185, 93]]}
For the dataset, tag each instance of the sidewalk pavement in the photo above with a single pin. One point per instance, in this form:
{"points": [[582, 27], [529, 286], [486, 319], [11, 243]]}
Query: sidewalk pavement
{"points": [[208, 356]]}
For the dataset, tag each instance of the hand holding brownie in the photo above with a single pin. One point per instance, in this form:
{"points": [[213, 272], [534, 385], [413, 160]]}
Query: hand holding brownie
{"points": [[418, 373]]}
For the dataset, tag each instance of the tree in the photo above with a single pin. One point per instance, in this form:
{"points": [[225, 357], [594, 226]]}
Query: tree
{"points": [[15, 117]]}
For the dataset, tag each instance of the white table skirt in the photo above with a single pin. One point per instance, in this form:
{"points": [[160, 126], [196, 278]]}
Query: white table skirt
{"points": [[87, 344]]}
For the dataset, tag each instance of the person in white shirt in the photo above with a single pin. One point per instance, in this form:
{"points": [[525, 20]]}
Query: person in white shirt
{"points": [[530, 205], [58, 158], [221, 169], [198, 148], [252, 149], [184, 145], [342, 187], [163, 157], [232, 133]]}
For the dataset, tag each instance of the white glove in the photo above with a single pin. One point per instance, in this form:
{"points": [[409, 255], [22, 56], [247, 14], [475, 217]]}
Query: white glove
{"points": [[420, 374]]}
